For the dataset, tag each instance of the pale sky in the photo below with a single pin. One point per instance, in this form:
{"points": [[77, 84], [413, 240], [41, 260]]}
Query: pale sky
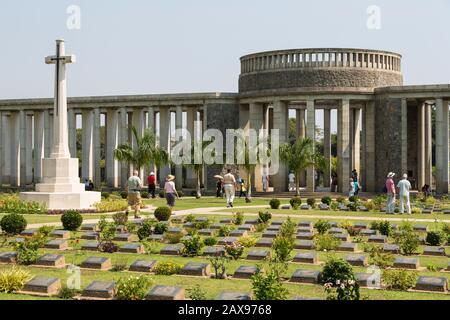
{"points": [[171, 46]]}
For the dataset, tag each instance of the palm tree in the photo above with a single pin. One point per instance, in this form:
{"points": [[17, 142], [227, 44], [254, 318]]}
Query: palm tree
{"points": [[144, 152], [298, 156]]}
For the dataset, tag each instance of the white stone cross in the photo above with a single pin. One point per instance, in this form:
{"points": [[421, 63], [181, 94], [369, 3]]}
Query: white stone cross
{"points": [[60, 148]]}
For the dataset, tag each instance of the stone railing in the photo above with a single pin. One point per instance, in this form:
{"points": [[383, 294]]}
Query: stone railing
{"points": [[321, 58]]}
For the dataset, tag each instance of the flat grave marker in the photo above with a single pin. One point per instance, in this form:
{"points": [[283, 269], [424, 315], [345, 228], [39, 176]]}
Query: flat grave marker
{"points": [[304, 244], [264, 243], [434, 251], [377, 239], [61, 234], [196, 269], [42, 286], [307, 258], [125, 237], [244, 272], [356, 260], [258, 255], [305, 276], [90, 246], [59, 244], [142, 265], [226, 240], [90, 235], [166, 293], [8, 257], [172, 249], [97, 263], [132, 248], [100, 290], [214, 251], [234, 296], [52, 260], [406, 263], [435, 284]]}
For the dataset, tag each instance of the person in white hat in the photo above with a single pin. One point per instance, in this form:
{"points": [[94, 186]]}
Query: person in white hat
{"points": [[151, 180], [404, 187], [390, 188]]}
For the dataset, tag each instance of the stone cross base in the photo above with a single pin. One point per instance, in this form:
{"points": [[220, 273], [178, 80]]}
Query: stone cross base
{"points": [[61, 187]]}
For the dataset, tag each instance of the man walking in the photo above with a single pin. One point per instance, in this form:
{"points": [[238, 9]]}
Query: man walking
{"points": [[404, 187], [134, 194], [151, 179], [230, 187], [390, 187]]}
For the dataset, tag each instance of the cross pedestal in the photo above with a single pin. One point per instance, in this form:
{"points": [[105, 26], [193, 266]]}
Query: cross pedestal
{"points": [[61, 187]]}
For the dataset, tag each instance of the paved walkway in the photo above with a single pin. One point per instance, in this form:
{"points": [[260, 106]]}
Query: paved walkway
{"points": [[217, 211]]}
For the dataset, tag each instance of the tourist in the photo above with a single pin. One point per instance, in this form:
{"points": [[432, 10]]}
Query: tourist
{"points": [[265, 181], [356, 186], [404, 187], [219, 187], [151, 180], [390, 189], [351, 192], [291, 179], [242, 188], [355, 175], [170, 191], [426, 191], [134, 185], [230, 187], [334, 183]]}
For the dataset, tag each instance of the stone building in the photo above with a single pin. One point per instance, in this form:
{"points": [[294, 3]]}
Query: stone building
{"points": [[382, 125]]}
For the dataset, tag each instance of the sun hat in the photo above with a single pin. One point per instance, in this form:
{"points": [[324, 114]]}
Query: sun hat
{"points": [[391, 175], [170, 177], [152, 173]]}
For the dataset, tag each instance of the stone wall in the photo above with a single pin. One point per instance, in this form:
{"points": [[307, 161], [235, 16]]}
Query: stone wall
{"points": [[318, 78], [387, 140]]}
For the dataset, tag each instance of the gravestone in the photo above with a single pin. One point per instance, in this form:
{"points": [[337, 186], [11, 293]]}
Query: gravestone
{"points": [[258, 255], [90, 235], [304, 244], [306, 298], [245, 272], [172, 249], [406, 263], [306, 257], [368, 232], [273, 228], [178, 220], [394, 226], [334, 224], [347, 247], [29, 233], [217, 226], [234, 296], [121, 228], [156, 237], [143, 265], [226, 221], [305, 276], [89, 227], [52, 260], [434, 251], [391, 248], [43, 285], [308, 224], [90, 246], [59, 244], [286, 207], [342, 236], [214, 251], [186, 238], [247, 227], [363, 209], [19, 240], [100, 290], [207, 232], [189, 225], [446, 211], [138, 221], [270, 234], [448, 266], [324, 207], [343, 207], [8, 257], [196, 269], [366, 280], [305, 229], [238, 233], [356, 260], [278, 222], [132, 248], [305, 236], [226, 240], [61, 234], [264, 243], [125, 237], [252, 221], [436, 284], [97, 263], [377, 239], [305, 207], [335, 230], [201, 219], [427, 211], [175, 230], [361, 225], [421, 227], [166, 293]]}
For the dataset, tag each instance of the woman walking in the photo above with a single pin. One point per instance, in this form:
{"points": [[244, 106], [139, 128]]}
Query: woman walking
{"points": [[170, 191]]}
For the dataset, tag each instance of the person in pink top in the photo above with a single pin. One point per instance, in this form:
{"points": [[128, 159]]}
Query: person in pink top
{"points": [[390, 188]]}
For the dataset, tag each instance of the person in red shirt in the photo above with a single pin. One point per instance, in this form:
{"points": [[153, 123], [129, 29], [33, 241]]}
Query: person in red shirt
{"points": [[390, 188], [151, 180]]}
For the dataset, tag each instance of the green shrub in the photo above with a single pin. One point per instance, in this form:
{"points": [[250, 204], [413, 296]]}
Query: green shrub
{"points": [[435, 238], [234, 250], [13, 224], [326, 200], [160, 228], [219, 265], [288, 229], [27, 251], [326, 242], [192, 246], [119, 265], [210, 241], [295, 202], [353, 199], [161, 194], [238, 218], [399, 279], [311, 202], [264, 217], [45, 231], [408, 242], [13, 279], [196, 293], [268, 284], [274, 204], [124, 195], [339, 280], [144, 194], [146, 229], [167, 268], [378, 257], [340, 200], [173, 238], [260, 227], [225, 230], [132, 288], [352, 206], [180, 193], [66, 293], [190, 218], [416, 210], [283, 247], [384, 227], [247, 241], [105, 195], [11, 203], [111, 205], [202, 224], [120, 218], [163, 213], [322, 226]]}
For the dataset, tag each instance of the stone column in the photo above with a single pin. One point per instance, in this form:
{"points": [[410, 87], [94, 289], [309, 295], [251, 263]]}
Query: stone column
{"points": [[164, 140], [96, 158], [39, 141], [311, 133], [191, 117], [179, 169], [138, 123], [256, 122], [404, 138], [28, 149], [23, 148], [47, 133], [2, 151], [421, 145], [327, 146], [281, 123], [356, 140], [428, 146], [112, 141], [442, 149], [343, 145], [301, 133], [87, 169], [71, 117], [369, 147], [123, 138], [6, 142], [15, 149]]}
